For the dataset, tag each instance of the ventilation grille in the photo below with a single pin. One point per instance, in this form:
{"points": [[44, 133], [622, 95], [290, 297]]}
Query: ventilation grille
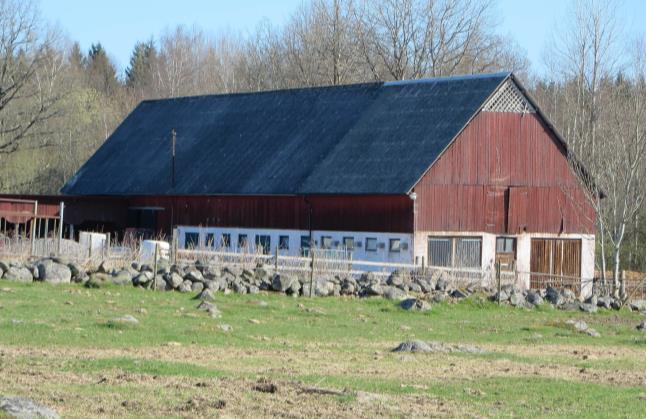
{"points": [[509, 99]]}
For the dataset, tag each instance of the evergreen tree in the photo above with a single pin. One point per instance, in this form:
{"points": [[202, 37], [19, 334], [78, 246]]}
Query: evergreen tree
{"points": [[103, 75], [139, 74]]}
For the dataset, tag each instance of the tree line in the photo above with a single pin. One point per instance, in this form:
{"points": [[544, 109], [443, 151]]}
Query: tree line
{"points": [[59, 103]]}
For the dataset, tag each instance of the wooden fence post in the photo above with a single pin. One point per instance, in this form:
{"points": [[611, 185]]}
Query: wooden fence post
{"points": [[173, 247], [498, 280], [155, 266], [60, 228], [276, 260], [33, 229], [311, 270]]}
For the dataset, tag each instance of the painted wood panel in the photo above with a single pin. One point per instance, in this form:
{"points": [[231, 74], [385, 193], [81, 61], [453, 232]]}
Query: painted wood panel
{"points": [[505, 173]]}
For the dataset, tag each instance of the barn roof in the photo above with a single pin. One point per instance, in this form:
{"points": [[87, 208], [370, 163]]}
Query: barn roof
{"points": [[372, 138]]}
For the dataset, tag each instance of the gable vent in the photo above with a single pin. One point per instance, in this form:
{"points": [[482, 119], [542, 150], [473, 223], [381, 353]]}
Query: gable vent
{"points": [[509, 99]]}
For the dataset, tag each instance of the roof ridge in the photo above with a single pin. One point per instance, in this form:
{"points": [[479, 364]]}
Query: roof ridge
{"points": [[341, 86]]}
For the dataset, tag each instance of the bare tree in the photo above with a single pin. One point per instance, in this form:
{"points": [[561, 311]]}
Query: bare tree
{"points": [[581, 56], [29, 67], [409, 39]]}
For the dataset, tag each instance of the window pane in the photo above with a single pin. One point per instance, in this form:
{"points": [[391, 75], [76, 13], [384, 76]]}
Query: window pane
{"points": [[395, 245], [326, 242], [226, 240], [505, 244], [371, 244], [283, 242], [305, 245], [467, 253], [263, 243], [242, 241], [209, 240], [439, 252], [348, 243], [191, 240]]}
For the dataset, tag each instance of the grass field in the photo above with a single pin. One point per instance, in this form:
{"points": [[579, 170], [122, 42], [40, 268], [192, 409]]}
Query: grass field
{"points": [[59, 346]]}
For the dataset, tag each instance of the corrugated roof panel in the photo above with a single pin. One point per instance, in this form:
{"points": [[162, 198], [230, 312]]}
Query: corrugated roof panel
{"points": [[357, 139]]}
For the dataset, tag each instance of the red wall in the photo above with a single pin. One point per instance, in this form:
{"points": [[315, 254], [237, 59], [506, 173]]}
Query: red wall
{"points": [[505, 173], [385, 213]]}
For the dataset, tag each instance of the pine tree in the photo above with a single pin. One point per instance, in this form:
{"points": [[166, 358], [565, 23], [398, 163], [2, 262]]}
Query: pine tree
{"points": [[140, 71], [103, 75]]}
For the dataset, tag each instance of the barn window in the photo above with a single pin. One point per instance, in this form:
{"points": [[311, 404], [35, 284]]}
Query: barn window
{"points": [[226, 240], [455, 252], [326, 242], [371, 244], [394, 245], [191, 240], [506, 252], [263, 243], [305, 245], [283, 242], [348, 243], [440, 251], [467, 252], [509, 99], [242, 241], [505, 244], [209, 241]]}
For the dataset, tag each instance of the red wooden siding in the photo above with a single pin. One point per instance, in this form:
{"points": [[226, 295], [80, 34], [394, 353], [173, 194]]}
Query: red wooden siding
{"points": [[391, 213], [505, 173]]}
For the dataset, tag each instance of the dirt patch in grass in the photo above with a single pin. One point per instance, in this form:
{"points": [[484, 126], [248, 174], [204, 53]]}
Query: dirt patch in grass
{"points": [[396, 369], [118, 394]]}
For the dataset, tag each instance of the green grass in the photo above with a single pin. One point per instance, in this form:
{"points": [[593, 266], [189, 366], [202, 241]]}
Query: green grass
{"points": [[531, 368]]}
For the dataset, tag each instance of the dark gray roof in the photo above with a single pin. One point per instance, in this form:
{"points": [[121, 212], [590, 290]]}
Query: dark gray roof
{"points": [[374, 138]]}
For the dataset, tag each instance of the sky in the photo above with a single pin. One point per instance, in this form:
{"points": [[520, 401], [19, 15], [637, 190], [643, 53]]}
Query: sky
{"points": [[119, 24]]}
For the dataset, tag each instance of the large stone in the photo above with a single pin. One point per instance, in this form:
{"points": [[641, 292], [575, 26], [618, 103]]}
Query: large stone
{"points": [[641, 326], [638, 305], [196, 286], [414, 304], [194, 275], [458, 294], [604, 302], [98, 279], [127, 319], [570, 306], [205, 295], [239, 287], [186, 286], [143, 278], [374, 290], [282, 282], [568, 294], [24, 408], [393, 293], [54, 273], [174, 280], [398, 278], [323, 287], [122, 277], [413, 346], [553, 296], [19, 274], [4, 266], [516, 299], [442, 283], [534, 298], [588, 308], [161, 284]]}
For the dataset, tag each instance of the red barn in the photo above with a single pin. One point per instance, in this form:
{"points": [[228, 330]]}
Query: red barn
{"points": [[456, 171]]}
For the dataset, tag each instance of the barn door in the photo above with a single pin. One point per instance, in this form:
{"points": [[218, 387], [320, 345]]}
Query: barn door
{"points": [[517, 219], [496, 205], [557, 260]]}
